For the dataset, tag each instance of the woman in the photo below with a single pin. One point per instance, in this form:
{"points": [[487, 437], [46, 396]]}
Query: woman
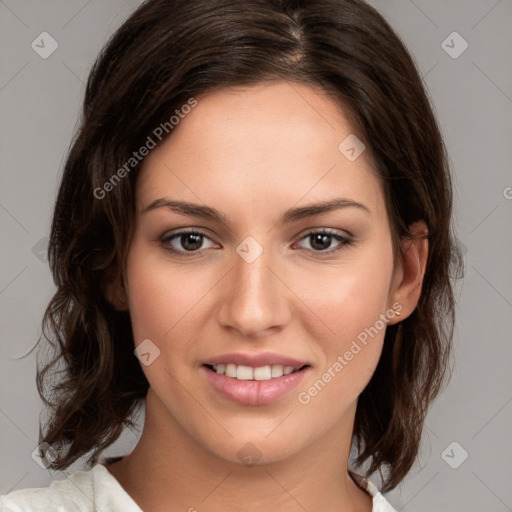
{"points": [[258, 202]]}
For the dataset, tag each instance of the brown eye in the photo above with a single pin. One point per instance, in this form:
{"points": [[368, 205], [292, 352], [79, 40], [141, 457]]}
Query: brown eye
{"points": [[184, 242], [321, 241]]}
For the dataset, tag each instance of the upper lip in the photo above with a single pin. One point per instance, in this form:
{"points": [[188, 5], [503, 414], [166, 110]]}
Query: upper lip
{"points": [[255, 360]]}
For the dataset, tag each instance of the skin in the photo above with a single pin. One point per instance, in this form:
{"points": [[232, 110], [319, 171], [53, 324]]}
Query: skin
{"points": [[253, 153]]}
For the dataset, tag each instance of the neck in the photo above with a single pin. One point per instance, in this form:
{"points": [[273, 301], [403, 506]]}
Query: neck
{"points": [[181, 474]]}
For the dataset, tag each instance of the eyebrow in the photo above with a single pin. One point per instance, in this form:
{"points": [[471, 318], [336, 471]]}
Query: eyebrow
{"points": [[291, 215]]}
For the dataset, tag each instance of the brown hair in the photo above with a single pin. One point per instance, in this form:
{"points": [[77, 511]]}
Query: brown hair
{"points": [[167, 52]]}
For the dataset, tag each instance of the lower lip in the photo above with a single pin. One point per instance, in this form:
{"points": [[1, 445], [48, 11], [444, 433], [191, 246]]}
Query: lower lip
{"points": [[254, 392]]}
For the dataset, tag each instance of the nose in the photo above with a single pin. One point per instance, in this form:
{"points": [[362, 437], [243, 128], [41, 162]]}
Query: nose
{"points": [[255, 298]]}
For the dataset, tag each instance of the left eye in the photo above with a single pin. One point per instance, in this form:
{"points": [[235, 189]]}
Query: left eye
{"points": [[191, 241], [321, 240]]}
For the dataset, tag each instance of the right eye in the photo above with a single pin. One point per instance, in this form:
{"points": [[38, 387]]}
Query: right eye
{"points": [[184, 241]]}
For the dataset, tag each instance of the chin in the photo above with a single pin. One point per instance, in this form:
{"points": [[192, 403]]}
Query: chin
{"points": [[254, 452]]}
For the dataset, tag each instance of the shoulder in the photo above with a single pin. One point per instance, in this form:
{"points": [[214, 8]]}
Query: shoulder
{"points": [[72, 494], [82, 491], [379, 502]]}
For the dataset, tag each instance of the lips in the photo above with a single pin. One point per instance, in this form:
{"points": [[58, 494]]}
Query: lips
{"points": [[255, 360], [254, 379]]}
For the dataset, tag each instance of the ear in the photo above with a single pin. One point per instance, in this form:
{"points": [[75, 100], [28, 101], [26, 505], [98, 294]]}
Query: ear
{"points": [[115, 293], [408, 276]]}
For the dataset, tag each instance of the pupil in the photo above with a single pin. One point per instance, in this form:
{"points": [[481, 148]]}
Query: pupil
{"points": [[319, 239], [196, 241]]}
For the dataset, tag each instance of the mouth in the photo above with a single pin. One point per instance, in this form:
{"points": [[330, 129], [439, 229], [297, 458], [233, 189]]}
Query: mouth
{"points": [[259, 373], [255, 386]]}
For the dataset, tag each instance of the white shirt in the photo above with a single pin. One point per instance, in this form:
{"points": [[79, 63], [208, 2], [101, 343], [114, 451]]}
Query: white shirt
{"points": [[98, 490]]}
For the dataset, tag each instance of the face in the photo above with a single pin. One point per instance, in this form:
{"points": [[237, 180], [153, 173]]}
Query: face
{"points": [[252, 277]]}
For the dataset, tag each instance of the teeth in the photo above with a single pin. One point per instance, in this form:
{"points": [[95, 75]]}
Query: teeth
{"points": [[242, 372], [262, 373], [277, 370], [230, 370]]}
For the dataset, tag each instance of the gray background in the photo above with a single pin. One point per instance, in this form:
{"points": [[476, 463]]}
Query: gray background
{"points": [[472, 95]]}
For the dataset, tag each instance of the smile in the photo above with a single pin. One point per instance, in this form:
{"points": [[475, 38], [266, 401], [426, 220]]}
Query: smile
{"points": [[257, 386], [242, 372]]}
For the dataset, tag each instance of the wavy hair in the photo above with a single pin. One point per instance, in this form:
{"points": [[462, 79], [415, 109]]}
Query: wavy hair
{"points": [[167, 52]]}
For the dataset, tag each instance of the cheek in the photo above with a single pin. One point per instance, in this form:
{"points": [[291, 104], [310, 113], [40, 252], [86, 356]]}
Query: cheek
{"points": [[348, 298], [347, 358], [350, 304], [161, 299], [164, 308]]}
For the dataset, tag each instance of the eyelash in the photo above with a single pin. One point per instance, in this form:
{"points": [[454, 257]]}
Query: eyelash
{"points": [[344, 241]]}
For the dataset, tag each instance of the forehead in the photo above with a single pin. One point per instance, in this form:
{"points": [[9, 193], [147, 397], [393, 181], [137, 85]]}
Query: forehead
{"points": [[270, 144]]}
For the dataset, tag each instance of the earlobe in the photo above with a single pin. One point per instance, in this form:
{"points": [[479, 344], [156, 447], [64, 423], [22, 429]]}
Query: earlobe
{"points": [[407, 291], [115, 293]]}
